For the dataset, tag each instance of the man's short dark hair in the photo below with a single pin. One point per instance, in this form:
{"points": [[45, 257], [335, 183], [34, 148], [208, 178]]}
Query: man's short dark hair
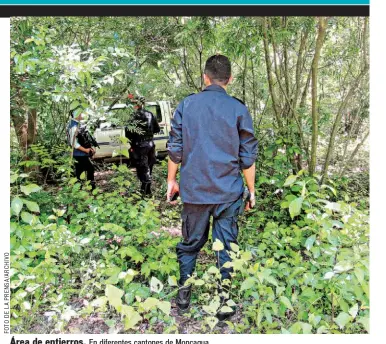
{"points": [[218, 69]]}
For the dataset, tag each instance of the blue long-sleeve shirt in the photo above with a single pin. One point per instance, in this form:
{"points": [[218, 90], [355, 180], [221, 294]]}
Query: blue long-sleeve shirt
{"points": [[212, 137]]}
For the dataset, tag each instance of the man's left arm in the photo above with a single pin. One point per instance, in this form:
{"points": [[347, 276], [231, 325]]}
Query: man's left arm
{"points": [[156, 127], [175, 147], [248, 153]]}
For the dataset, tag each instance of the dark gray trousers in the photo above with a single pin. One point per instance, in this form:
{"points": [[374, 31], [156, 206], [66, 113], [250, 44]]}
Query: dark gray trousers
{"points": [[195, 232]]}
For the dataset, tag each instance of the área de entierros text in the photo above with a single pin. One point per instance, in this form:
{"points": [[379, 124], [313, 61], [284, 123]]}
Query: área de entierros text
{"points": [[104, 341]]}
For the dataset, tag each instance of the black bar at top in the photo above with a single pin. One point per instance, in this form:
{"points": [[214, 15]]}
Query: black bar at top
{"points": [[188, 10]]}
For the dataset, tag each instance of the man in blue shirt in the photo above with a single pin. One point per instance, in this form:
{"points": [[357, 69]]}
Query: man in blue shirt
{"points": [[212, 137]]}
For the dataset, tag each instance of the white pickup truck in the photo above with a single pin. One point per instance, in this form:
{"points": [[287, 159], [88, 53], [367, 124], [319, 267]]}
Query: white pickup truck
{"points": [[108, 135]]}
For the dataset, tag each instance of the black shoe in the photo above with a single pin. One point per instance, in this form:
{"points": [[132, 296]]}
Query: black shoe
{"points": [[183, 298], [224, 298]]}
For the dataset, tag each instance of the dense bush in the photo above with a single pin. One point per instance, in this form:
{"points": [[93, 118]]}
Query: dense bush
{"points": [[301, 265]]}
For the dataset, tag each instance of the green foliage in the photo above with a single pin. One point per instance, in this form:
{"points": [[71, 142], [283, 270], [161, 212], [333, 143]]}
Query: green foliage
{"points": [[301, 265]]}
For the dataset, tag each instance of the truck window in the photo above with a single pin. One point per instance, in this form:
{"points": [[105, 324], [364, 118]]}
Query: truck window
{"points": [[156, 111]]}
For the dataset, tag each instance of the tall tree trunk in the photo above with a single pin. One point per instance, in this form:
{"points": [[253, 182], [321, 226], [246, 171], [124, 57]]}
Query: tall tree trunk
{"points": [[355, 151], [269, 74], [338, 119], [26, 129], [345, 101], [314, 92], [244, 74]]}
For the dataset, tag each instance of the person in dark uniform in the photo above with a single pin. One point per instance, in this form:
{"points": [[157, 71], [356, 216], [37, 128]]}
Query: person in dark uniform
{"points": [[80, 154], [212, 137], [142, 144]]}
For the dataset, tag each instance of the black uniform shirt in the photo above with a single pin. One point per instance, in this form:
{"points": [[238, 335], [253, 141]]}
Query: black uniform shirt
{"points": [[148, 125], [212, 137]]}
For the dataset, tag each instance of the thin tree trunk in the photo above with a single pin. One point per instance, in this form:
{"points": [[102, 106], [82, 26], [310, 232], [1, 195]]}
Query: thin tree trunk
{"points": [[338, 119], [269, 74], [253, 91], [352, 125], [244, 73], [20, 126], [285, 52], [26, 129], [314, 92], [299, 68], [355, 151]]}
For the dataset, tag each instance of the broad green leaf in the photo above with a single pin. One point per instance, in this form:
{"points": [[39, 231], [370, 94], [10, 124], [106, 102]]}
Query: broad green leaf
{"points": [[16, 283], [164, 306], [211, 321], [259, 316], [272, 280], [68, 314], [226, 309], [172, 280], [284, 300], [156, 285], [32, 287], [248, 283], [342, 319], [123, 139], [354, 310], [365, 322], [230, 264], [27, 217], [199, 282], [114, 295], [296, 327], [16, 205], [150, 303], [83, 176], [231, 303], [59, 212], [295, 207], [116, 230], [130, 274], [14, 177], [99, 302], [268, 315], [360, 274], [333, 206], [290, 180], [329, 275], [30, 188], [322, 329], [247, 255], [329, 187], [213, 270], [132, 318], [27, 305], [343, 266], [212, 308], [307, 328], [32, 206], [310, 242], [234, 247], [125, 152], [209, 310], [217, 245], [314, 319], [85, 241], [73, 105]]}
